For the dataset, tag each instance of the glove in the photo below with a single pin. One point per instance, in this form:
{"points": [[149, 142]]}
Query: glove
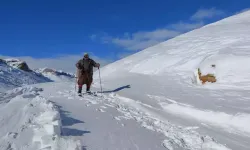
{"points": [[98, 65]]}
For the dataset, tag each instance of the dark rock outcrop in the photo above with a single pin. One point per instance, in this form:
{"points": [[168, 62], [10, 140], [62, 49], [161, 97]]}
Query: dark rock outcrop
{"points": [[23, 66], [2, 61]]}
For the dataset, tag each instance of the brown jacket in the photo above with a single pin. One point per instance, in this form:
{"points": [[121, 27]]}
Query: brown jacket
{"points": [[85, 77], [92, 63]]}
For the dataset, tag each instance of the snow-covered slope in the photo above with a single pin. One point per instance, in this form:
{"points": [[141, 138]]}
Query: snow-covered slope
{"points": [[29, 121], [55, 75], [163, 78], [224, 44], [11, 77]]}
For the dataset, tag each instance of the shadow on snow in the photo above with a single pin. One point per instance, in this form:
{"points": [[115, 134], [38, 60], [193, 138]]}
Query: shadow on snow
{"points": [[84, 148], [73, 132], [118, 89], [67, 121]]}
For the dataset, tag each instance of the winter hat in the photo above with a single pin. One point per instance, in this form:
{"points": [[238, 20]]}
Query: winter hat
{"points": [[86, 55]]}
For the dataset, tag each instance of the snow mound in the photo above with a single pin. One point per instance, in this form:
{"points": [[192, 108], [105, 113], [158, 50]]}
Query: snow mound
{"points": [[225, 43], [56, 75], [29, 121], [11, 77]]}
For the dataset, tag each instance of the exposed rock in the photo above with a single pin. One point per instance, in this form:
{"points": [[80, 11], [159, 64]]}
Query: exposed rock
{"points": [[48, 70], [23, 66], [2, 61], [16, 63]]}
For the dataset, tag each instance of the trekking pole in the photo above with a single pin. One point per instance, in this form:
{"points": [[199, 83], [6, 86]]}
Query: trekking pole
{"points": [[100, 79], [76, 81]]}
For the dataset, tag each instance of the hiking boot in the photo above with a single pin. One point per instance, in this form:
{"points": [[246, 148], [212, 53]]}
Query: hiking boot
{"points": [[88, 89], [89, 92], [79, 90]]}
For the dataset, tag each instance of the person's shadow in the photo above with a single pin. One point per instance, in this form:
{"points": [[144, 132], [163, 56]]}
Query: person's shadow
{"points": [[68, 122], [118, 89]]}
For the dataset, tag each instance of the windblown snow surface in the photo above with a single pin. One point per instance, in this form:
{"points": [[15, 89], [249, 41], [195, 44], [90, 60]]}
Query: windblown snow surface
{"points": [[55, 75], [29, 121], [11, 77], [151, 100]]}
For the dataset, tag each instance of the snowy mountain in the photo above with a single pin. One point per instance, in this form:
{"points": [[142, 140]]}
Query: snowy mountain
{"points": [[165, 86], [152, 100], [224, 44], [11, 76], [55, 75]]}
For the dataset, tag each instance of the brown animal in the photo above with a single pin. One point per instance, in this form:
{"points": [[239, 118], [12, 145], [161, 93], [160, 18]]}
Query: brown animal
{"points": [[206, 78]]}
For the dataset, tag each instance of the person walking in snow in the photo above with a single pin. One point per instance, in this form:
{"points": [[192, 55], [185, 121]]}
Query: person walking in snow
{"points": [[85, 72]]}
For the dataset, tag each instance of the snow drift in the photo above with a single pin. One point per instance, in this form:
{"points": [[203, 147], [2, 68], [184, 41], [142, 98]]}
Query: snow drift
{"points": [[29, 121]]}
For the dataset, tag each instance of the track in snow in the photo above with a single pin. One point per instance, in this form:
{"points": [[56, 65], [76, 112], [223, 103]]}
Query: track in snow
{"points": [[176, 137]]}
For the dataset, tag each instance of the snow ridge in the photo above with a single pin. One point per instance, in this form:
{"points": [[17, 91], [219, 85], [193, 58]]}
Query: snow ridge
{"points": [[11, 77], [56, 75], [47, 129], [29, 121]]}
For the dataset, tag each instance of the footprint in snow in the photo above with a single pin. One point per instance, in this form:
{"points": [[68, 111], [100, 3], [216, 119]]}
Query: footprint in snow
{"points": [[12, 135], [59, 92], [99, 109], [109, 105], [192, 128], [103, 107], [117, 118], [93, 102]]}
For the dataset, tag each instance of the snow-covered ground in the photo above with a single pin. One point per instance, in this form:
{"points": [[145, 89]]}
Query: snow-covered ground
{"points": [[151, 100], [11, 77], [163, 77], [29, 121], [56, 75]]}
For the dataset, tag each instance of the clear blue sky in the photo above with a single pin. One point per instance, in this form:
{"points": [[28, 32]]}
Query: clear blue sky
{"points": [[109, 29]]}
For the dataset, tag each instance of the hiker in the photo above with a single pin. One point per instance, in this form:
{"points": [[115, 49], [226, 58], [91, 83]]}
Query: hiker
{"points": [[85, 72]]}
